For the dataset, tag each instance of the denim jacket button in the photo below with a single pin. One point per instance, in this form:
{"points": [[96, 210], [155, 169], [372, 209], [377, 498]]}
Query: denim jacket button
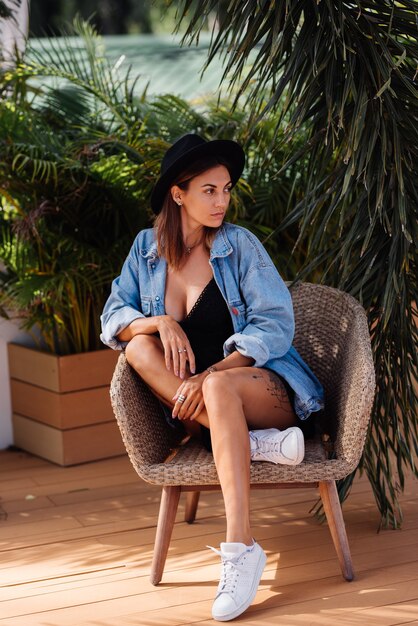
{"points": [[157, 298]]}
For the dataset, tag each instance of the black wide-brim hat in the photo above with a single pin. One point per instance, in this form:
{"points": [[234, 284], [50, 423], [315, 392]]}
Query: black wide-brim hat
{"points": [[189, 148]]}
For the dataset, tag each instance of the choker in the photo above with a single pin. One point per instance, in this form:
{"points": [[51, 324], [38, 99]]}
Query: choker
{"points": [[188, 249]]}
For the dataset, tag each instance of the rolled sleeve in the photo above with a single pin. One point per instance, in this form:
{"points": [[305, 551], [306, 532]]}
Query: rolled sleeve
{"points": [[268, 329], [117, 322], [122, 307], [249, 346]]}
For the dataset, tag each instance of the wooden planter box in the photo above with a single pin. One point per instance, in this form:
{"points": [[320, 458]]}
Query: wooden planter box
{"points": [[61, 405]]}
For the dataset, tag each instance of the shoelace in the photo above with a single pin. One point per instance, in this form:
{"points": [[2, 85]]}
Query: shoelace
{"points": [[263, 446], [229, 571]]}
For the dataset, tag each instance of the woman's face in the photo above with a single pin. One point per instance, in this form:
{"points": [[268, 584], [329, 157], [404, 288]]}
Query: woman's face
{"points": [[206, 199]]}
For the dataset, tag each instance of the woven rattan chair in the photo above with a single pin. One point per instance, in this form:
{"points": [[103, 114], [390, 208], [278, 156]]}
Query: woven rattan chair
{"points": [[332, 336]]}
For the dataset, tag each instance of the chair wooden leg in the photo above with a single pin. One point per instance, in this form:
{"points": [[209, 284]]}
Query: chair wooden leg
{"points": [[192, 500], [332, 508], [168, 508]]}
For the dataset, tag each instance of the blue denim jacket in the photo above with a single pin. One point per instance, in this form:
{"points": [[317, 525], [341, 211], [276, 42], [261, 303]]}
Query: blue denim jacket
{"points": [[258, 299]]}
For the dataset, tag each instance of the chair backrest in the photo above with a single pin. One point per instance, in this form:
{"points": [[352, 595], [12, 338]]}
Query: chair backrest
{"points": [[332, 336]]}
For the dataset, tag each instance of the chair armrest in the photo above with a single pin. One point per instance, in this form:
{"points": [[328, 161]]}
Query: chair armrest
{"points": [[147, 436], [354, 390]]}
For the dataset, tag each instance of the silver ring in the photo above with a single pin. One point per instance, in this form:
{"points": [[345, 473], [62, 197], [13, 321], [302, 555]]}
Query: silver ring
{"points": [[179, 350], [181, 398], [184, 349]]}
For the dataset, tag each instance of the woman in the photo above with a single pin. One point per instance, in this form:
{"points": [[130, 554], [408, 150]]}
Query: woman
{"points": [[207, 322]]}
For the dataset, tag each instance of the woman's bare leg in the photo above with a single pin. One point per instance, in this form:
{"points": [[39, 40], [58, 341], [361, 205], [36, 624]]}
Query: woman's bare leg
{"points": [[235, 400], [146, 355]]}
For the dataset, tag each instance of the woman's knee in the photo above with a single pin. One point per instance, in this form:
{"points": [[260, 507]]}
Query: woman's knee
{"points": [[141, 351], [220, 385]]}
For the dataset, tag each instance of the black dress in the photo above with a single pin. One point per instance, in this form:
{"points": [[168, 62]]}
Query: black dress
{"points": [[207, 326]]}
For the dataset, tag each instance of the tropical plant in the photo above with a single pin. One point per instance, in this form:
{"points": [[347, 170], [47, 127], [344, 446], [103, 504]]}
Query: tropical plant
{"points": [[71, 195], [79, 154], [346, 71]]}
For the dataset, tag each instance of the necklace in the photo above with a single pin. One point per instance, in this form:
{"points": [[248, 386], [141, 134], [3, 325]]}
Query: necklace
{"points": [[190, 248]]}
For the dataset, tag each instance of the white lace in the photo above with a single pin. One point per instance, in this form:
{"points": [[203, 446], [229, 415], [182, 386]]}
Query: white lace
{"points": [[230, 569], [266, 446]]}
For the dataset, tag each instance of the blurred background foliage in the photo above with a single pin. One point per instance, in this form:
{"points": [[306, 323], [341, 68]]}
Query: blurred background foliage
{"points": [[110, 17]]}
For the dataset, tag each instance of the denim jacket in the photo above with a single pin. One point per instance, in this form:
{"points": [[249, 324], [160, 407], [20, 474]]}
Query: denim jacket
{"points": [[258, 300]]}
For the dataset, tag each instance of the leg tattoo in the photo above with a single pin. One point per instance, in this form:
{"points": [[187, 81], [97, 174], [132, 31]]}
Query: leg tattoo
{"points": [[277, 390]]}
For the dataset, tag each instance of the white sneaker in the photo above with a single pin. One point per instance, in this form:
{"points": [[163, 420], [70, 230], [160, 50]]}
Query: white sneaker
{"points": [[241, 571], [277, 446]]}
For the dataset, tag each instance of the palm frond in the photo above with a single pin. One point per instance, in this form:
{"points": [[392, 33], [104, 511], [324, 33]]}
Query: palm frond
{"points": [[347, 72]]}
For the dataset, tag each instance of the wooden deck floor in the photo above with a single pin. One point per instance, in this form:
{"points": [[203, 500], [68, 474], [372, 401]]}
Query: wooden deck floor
{"points": [[76, 544]]}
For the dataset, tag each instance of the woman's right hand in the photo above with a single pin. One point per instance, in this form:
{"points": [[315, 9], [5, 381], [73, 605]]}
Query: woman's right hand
{"points": [[177, 349]]}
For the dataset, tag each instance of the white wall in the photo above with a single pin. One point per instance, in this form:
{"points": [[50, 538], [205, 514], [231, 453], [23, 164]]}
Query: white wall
{"points": [[13, 33], [8, 332]]}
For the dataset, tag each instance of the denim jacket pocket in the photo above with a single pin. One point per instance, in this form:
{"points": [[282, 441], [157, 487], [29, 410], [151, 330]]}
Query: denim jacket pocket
{"points": [[146, 305], [237, 310]]}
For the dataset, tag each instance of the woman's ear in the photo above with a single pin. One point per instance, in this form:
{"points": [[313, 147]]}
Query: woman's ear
{"points": [[176, 194]]}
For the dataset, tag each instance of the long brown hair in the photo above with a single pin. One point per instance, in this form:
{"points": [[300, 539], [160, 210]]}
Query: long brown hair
{"points": [[167, 223]]}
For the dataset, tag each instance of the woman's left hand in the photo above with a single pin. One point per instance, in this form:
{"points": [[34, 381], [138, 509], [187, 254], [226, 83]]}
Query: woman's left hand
{"points": [[191, 391]]}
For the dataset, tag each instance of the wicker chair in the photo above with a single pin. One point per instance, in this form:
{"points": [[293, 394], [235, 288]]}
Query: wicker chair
{"points": [[332, 336]]}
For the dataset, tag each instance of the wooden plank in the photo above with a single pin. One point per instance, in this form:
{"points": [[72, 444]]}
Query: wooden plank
{"points": [[389, 615], [23, 482], [17, 531], [187, 539], [92, 442], [66, 487], [25, 505], [217, 524], [94, 497], [140, 516], [15, 461], [99, 572], [262, 613], [68, 447], [34, 366], [191, 538], [70, 559], [143, 540], [90, 369], [38, 439], [90, 511], [62, 373], [61, 410], [213, 506], [52, 474], [119, 597]]}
